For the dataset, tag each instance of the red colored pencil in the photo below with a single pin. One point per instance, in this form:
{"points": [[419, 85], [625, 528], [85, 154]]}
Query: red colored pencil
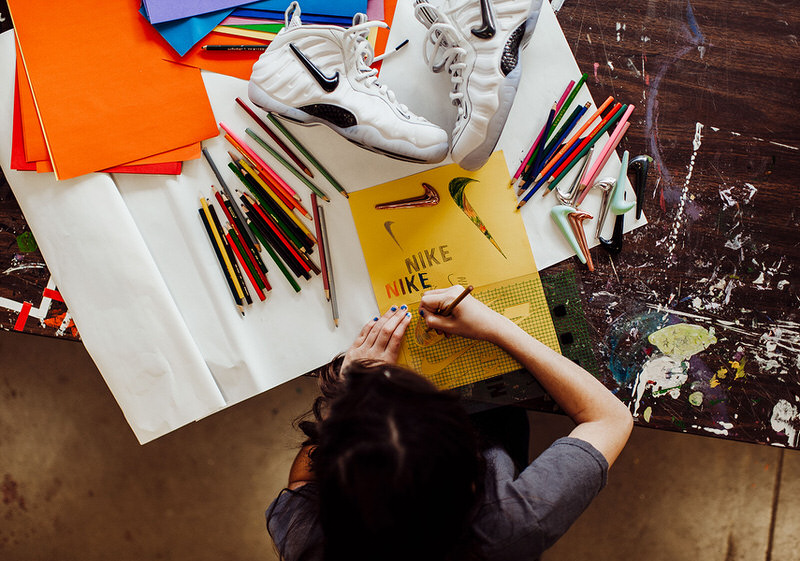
{"points": [[247, 271], [276, 138]]}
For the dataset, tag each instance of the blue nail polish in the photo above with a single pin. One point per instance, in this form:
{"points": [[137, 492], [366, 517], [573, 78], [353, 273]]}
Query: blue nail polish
{"points": [[403, 307], [374, 319], [408, 314], [422, 313], [394, 308]]}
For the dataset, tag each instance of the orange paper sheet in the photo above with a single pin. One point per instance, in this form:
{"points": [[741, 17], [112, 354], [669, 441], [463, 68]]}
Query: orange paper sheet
{"points": [[104, 94], [35, 149]]}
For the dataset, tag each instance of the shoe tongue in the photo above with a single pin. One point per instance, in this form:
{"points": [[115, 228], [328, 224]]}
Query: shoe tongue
{"points": [[294, 9]]}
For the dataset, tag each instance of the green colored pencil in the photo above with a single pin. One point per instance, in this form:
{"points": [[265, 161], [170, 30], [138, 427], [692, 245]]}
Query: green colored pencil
{"points": [[307, 154], [275, 258], [287, 165], [571, 96]]}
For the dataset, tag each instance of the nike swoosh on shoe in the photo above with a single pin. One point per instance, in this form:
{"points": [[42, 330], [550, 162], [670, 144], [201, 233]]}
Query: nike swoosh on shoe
{"points": [[326, 83], [488, 26]]}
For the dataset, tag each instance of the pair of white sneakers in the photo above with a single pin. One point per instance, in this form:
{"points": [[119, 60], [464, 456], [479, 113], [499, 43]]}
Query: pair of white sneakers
{"points": [[323, 74]]}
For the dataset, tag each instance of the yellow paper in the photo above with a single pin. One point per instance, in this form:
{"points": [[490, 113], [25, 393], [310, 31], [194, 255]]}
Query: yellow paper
{"points": [[480, 241]]}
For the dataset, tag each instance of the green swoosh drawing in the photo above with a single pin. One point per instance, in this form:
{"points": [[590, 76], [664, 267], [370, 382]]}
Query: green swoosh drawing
{"points": [[457, 187]]}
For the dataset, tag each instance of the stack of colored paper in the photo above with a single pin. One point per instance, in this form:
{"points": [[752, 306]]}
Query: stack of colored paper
{"points": [[95, 93], [187, 26]]}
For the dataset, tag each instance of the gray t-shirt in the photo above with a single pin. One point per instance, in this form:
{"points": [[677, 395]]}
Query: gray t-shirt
{"points": [[521, 514]]}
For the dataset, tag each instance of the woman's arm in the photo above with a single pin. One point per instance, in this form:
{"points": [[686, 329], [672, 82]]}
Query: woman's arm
{"points": [[602, 419]]}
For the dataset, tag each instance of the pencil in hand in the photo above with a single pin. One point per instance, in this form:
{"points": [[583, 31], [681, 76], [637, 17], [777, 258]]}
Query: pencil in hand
{"points": [[447, 310]]}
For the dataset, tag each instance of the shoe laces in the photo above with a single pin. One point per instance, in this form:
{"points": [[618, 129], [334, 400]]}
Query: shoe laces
{"points": [[441, 50], [357, 39]]}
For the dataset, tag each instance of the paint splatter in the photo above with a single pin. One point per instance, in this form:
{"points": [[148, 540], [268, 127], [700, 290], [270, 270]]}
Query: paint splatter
{"points": [[682, 340], [696, 399], [26, 242], [596, 66], [786, 419], [647, 414]]}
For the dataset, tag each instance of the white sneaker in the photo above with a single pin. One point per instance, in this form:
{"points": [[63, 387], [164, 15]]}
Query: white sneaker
{"points": [[322, 74], [478, 42]]}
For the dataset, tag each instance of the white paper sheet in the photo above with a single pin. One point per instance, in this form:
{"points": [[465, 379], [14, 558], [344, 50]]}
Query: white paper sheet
{"points": [[136, 270]]}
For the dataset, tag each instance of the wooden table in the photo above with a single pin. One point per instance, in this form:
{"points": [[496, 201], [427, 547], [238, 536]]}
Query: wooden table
{"points": [[715, 87]]}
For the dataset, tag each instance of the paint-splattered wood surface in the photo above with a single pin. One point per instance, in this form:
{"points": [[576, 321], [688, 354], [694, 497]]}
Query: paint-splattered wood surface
{"points": [[716, 86], [29, 301]]}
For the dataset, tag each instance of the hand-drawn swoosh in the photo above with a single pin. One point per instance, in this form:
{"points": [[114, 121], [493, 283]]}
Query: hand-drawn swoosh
{"points": [[488, 27], [457, 187], [388, 226], [326, 83]]}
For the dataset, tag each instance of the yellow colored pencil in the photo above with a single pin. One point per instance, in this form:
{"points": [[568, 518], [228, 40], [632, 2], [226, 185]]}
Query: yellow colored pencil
{"points": [[222, 250]]}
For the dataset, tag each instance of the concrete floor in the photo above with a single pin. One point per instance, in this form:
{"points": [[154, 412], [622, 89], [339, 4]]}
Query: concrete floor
{"points": [[77, 485]]}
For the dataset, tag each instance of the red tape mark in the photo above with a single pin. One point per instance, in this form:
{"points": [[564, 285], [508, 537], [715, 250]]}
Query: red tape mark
{"points": [[23, 316], [52, 294]]}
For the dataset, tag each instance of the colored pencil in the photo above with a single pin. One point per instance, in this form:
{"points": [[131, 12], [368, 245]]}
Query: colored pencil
{"points": [[285, 223], [562, 133], [322, 264], [235, 47], [592, 137], [220, 260], [555, 159], [447, 310], [222, 256], [228, 193], [287, 199], [260, 163], [587, 181], [539, 152], [292, 216], [307, 154], [571, 97], [565, 168], [245, 266], [287, 165], [613, 140], [326, 247], [571, 158], [250, 252], [523, 164], [269, 237], [238, 278], [260, 213], [281, 144], [274, 256]]}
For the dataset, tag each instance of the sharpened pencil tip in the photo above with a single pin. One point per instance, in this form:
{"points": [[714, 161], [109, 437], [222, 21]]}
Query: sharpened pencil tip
{"points": [[336, 323]]}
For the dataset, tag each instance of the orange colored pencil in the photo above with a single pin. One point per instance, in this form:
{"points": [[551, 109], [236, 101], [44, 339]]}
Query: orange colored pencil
{"points": [[261, 163], [574, 138]]}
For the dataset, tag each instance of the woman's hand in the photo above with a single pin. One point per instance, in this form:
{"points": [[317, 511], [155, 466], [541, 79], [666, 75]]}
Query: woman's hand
{"points": [[379, 340], [470, 318]]}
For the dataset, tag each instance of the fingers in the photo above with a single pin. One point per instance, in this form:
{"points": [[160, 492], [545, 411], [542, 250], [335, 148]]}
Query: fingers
{"points": [[393, 345], [436, 300], [390, 325]]}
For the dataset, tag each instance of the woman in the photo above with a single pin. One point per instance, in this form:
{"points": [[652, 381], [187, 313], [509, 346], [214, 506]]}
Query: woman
{"points": [[395, 469]]}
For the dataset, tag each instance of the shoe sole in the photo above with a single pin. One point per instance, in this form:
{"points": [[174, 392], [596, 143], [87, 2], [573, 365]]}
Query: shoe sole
{"points": [[365, 136]]}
